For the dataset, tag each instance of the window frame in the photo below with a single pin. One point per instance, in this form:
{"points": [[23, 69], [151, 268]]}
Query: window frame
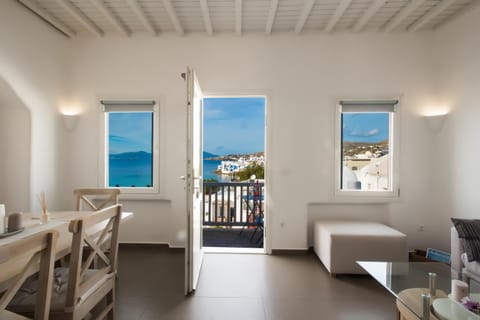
{"points": [[394, 149], [103, 178]]}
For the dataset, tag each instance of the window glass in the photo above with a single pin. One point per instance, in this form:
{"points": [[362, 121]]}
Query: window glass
{"points": [[366, 157], [130, 149]]}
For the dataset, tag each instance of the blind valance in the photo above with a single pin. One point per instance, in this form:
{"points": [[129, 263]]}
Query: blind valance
{"points": [[128, 105], [368, 105]]}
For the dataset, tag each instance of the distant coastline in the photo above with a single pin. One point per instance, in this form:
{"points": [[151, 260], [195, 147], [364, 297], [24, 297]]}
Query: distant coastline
{"points": [[130, 155], [232, 157], [225, 167]]}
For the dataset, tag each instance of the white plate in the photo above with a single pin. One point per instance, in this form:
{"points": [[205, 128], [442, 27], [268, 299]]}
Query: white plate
{"points": [[447, 309], [6, 234]]}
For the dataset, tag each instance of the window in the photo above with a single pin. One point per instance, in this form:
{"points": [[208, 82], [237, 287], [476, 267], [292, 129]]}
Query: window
{"points": [[130, 150], [367, 148]]}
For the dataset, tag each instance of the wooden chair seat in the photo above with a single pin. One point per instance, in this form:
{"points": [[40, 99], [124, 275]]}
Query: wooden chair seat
{"points": [[36, 252], [7, 315], [80, 287], [24, 300]]}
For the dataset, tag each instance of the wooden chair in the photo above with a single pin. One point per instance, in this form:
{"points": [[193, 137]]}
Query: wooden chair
{"points": [[88, 196], [87, 287], [29, 253], [93, 199], [83, 286]]}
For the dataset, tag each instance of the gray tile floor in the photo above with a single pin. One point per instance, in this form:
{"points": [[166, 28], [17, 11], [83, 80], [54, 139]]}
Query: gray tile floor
{"points": [[240, 286]]}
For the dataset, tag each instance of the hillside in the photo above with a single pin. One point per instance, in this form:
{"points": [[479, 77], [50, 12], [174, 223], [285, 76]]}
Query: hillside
{"points": [[207, 155], [354, 148]]}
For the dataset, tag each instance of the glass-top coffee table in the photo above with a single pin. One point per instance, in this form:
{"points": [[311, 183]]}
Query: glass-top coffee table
{"points": [[410, 283]]}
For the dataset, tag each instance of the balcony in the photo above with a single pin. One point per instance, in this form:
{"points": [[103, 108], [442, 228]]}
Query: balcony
{"points": [[233, 214]]}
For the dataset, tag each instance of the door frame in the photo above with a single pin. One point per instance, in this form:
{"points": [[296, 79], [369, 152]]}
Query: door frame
{"points": [[267, 240]]}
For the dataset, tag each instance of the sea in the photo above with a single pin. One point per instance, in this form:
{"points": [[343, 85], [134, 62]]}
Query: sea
{"points": [[209, 168], [127, 173]]}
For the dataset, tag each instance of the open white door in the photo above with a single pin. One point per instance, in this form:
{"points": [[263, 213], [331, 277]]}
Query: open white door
{"points": [[194, 182]]}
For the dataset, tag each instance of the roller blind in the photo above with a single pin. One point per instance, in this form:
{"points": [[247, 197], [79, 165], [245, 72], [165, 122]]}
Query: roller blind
{"points": [[128, 105], [368, 105]]}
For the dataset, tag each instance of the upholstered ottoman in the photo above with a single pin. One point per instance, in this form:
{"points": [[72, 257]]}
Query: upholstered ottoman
{"points": [[339, 244]]}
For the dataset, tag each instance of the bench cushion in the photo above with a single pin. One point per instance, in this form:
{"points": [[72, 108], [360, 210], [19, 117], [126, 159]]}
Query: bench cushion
{"points": [[339, 244]]}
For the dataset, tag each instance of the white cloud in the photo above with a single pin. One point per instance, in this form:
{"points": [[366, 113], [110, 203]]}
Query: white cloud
{"points": [[212, 113], [373, 132], [369, 133]]}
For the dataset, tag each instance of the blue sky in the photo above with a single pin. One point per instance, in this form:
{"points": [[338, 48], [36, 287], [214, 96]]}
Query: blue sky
{"points": [[234, 125], [130, 132], [365, 127]]}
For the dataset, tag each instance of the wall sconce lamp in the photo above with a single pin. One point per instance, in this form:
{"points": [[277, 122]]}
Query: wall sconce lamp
{"points": [[70, 121], [435, 122]]}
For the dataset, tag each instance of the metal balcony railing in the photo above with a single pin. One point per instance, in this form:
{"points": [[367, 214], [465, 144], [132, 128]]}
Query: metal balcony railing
{"points": [[233, 203]]}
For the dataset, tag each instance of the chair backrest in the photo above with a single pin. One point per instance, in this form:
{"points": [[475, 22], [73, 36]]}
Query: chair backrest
{"points": [[96, 198], [27, 255], [99, 233]]}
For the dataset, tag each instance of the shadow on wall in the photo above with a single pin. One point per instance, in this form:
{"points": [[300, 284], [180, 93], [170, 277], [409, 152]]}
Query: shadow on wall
{"points": [[15, 141], [354, 212]]}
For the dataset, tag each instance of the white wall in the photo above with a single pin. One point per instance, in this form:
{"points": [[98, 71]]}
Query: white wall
{"points": [[304, 76], [33, 62], [14, 153], [456, 165]]}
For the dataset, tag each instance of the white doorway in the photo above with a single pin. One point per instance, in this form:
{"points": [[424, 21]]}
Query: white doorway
{"points": [[234, 168], [246, 197]]}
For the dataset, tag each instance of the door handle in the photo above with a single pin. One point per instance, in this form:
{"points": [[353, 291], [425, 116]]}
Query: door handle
{"points": [[195, 178]]}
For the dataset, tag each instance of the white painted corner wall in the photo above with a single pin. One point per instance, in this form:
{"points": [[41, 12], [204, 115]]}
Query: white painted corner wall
{"points": [[33, 76], [304, 76], [456, 170], [14, 153]]}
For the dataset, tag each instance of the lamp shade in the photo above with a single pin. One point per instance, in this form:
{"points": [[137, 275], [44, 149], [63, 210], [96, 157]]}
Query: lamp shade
{"points": [[435, 123], [70, 121]]}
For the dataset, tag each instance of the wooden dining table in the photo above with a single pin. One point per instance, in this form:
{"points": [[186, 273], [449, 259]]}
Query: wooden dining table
{"points": [[58, 221]]}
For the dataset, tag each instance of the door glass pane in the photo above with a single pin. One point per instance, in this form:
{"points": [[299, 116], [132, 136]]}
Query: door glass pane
{"points": [[130, 141]]}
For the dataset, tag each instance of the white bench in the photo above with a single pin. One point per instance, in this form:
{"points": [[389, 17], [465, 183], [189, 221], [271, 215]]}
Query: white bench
{"points": [[339, 244]]}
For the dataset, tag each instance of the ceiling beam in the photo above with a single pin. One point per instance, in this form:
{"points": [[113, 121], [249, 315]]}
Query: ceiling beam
{"points": [[238, 16], [341, 8], [460, 13], [206, 17], [141, 16], [271, 16], [307, 8], [107, 13], [48, 17], [435, 11], [403, 14], [173, 17], [80, 17], [376, 5]]}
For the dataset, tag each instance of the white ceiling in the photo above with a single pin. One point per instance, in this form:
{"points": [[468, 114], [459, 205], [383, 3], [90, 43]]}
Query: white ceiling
{"points": [[130, 17]]}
